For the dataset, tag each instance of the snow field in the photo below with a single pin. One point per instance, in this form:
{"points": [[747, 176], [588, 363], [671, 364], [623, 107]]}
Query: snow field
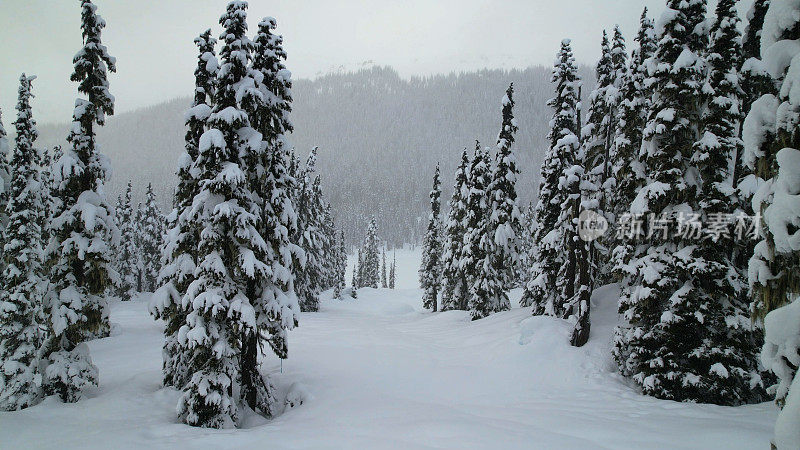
{"points": [[380, 372]]}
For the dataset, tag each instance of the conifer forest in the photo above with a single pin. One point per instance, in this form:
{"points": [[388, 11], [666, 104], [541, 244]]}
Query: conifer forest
{"points": [[489, 225]]}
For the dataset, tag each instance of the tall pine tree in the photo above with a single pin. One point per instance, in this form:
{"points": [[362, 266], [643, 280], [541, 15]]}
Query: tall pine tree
{"points": [[231, 251], [430, 270], [22, 276], [370, 267], [79, 248], [454, 282], [772, 152], [541, 290], [151, 229], [5, 174], [635, 98], [680, 314], [482, 282], [127, 253], [179, 254]]}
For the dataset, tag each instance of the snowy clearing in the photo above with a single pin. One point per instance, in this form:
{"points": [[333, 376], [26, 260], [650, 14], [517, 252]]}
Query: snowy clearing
{"points": [[379, 372]]}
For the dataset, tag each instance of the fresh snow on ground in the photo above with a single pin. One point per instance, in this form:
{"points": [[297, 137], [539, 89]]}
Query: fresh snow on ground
{"points": [[380, 372]]}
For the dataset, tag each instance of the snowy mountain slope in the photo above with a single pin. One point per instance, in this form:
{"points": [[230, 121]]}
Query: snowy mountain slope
{"points": [[378, 372]]}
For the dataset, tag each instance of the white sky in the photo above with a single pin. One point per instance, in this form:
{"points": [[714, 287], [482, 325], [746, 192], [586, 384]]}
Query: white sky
{"points": [[153, 39]]}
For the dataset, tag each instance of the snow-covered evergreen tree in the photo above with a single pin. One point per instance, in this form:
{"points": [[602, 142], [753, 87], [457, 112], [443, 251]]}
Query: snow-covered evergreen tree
{"points": [[370, 266], [505, 220], [598, 138], [772, 151], [354, 282], [179, 254], [358, 268], [430, 270], [138, 242], [127, 252], [341, 267], [383, 268], [232, 254], [22, 276], [454, 283], [528, 227], [493, 221], [482, 282], [81, 234], [393, 272], [635, 98], [540, 290], [781, 355], [719, 279], [309, 236], [268, 104], [5, 174], [682, 335], [755, 81], [151, 232], [329, 248]]}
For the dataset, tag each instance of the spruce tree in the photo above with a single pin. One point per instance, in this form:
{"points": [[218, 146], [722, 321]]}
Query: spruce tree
{"points": [[127, 252], [635, 99], [179, 254], [679, 339], [309, 236], [720, 280], [755, 81], [79, 248], [772, 152], [504, 222], [482, 282], [541, 290], [454, 283], [430, 270], [598, 138], [383, 268], [341, 268], [138, 239], [357, 272], [231, 251], [22, 276], [370, 266], [329, 249], [496, 230], [275, 301], [5, 175], [354, 282], [393, 272], [151, 231]]}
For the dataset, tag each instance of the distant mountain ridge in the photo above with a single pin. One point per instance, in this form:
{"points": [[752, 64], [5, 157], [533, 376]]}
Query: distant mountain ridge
{"points": [[380, 137]]}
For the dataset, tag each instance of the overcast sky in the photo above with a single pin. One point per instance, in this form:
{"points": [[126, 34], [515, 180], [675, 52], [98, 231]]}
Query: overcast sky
{"points": [[153, 39]]}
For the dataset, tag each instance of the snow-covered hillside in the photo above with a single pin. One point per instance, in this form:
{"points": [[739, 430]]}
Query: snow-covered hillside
{"points": [[379, 372]]}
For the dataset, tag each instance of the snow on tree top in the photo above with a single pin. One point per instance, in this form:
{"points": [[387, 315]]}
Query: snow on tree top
{"points": [[781, 16], [778, 56], [791, 83], [667, 16]]}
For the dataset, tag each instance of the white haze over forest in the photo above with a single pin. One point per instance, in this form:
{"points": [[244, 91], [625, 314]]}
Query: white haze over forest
{"points": [[375, 131]]}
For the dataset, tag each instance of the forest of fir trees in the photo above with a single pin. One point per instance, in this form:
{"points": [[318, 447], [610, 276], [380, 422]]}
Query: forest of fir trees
{"points": [[688, 152], [66, 250]]}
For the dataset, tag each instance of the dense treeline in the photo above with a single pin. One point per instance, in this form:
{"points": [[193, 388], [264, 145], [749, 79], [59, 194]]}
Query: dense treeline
{"points": [[377, 129]]}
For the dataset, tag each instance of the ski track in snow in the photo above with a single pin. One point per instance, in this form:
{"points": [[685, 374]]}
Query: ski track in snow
{"points": [[380, 372]]}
